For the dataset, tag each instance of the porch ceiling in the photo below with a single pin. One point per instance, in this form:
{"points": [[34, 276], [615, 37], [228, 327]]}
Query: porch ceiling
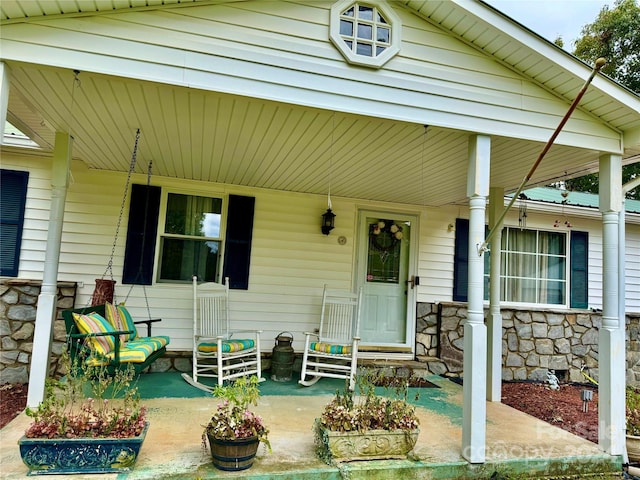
{"points": [[215, 137], [212, 137]]}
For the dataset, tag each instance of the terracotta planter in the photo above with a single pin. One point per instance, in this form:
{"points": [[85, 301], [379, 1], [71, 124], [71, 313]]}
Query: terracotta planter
{"points": [[633, 448], [44, 456], [233, 455], [369, 445]]}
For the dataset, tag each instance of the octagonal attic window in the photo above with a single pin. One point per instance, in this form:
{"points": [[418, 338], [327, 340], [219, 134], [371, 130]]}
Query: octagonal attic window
{"points": [[366, 33]]}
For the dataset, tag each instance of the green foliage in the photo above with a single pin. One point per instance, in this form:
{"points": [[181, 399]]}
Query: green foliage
{"points": [[111, 409], [345, 413], [614, 35], [633, 411], [232, 418], [590, 183]]}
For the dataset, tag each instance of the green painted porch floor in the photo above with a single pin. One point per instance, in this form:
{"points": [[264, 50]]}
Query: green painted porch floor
{"points": [[518, 445]]}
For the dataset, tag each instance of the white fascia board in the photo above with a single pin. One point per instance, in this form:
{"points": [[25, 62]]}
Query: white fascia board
{"points": [[554, 53]]}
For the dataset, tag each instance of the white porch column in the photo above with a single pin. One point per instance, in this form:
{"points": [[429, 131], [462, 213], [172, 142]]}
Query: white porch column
{"points": [[494, 321], [46, 311], [4, 97], [611, 348], [474, 412]]}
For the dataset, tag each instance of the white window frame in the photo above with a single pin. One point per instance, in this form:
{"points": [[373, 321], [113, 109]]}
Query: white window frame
{"points": [[161, 234], [375, 61], [567, 272]]}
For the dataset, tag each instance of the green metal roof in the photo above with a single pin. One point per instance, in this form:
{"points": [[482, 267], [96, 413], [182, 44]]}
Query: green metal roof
{"points": [[578, 199]]}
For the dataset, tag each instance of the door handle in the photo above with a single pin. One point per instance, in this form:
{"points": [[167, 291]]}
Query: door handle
{"points": [[414, 280]]}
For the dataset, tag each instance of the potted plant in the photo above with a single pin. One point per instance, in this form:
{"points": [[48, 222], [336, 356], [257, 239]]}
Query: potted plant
{"points": [[234, 432], [72, 432], [633, 423], [369, 426]]}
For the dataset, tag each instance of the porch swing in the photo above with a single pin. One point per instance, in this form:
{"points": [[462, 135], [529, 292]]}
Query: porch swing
{"points": [[104, 333]]}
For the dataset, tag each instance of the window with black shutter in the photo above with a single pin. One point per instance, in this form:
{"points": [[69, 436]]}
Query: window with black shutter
{"points": [[13, 198], [190, 238]]}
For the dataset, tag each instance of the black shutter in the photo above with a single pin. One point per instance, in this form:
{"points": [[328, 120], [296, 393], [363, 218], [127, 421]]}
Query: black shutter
{"points": [[13, 197], [461, 260], [237, 250], [579, 262], [143, 227]]}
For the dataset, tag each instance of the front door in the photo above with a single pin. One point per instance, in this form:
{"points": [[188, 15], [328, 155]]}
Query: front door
{"points": [[384, 268]]}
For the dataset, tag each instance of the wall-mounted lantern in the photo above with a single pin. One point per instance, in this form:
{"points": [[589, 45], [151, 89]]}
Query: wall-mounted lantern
{"points": [[328, 221]]}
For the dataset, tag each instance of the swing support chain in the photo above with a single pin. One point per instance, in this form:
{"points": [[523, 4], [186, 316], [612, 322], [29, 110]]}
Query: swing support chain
{"points": [[132, 167]]}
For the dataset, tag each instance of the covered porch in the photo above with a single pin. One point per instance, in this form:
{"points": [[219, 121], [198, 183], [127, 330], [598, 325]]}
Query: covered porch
{"points": [[517, 444], [251, 98]]}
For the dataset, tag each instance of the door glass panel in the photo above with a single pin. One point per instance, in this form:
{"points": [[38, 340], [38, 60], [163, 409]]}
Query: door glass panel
{"points": [[383, 262]]}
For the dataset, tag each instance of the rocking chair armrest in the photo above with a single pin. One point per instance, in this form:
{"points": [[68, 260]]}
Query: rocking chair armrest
{"points": [[314, 334], [201, 338], [148, 323], [244, 331]]}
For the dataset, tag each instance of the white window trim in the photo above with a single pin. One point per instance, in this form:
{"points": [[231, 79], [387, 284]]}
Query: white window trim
{"points": [[162, 216], [377, 61], [567, 281]]}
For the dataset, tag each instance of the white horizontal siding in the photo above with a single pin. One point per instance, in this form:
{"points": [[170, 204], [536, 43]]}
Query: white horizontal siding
{"points": [[281, 51], [291, 260], [632, 268], [435, 259]]}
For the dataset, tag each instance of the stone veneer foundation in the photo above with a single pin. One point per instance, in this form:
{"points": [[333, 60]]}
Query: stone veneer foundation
{"points": [[533, 340]]}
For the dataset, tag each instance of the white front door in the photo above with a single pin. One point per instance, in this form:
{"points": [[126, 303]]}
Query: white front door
{"points": [[385, 267]]}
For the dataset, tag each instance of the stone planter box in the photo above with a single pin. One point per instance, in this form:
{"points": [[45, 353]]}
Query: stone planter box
{"points": [[369, 445], [56, 456]]}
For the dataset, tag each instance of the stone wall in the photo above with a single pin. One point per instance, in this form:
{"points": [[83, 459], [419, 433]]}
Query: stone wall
{"points": [[18, 303], [533, 342]]}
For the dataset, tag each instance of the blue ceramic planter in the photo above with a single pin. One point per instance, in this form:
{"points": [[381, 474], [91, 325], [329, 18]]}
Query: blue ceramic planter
{"points": [[56, 456]]}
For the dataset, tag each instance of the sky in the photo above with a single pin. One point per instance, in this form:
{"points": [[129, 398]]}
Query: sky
{"points": [[553, 18]]}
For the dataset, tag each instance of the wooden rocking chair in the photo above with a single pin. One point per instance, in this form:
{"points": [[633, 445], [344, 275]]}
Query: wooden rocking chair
{"points": [[217, 353], [334, 354]]}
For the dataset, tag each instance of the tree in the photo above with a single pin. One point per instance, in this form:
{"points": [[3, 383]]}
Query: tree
{"points": [[614, 35]]}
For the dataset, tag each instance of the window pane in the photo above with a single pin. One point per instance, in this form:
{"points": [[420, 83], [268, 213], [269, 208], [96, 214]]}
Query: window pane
{"points": [[380, 18], [365, 13], [553, 268], [552, 292], [382, 34], [191, 215], [521, 290], [364, 49], [181, 259], [521, 240], [552, 243], [365, 31], [379, 50], [349, 12], [521, 265], [346, 28]]}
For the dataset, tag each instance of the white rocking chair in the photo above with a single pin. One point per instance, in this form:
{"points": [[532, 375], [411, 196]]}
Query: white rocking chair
{"points": [[334, 353], [216, 353]]}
